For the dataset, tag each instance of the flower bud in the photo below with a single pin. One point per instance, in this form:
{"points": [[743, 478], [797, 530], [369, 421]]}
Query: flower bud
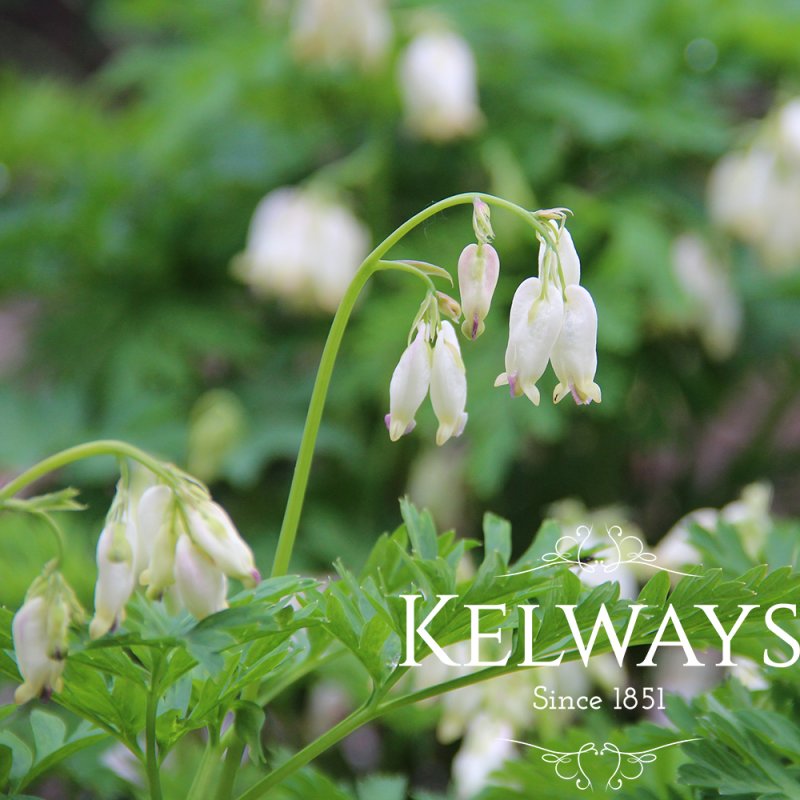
{"points": [[574, 354], [158, 535], [409, 385], [41, 672], [448, 385], [482, 221], [478, 270], [212, 531], [448, 306], [202, 588], [115, 579], [438, 84], [534, 326], [567, 257]]}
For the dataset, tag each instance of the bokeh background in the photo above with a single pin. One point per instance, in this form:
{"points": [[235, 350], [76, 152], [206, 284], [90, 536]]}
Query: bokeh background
{"points": [[137, 300]]}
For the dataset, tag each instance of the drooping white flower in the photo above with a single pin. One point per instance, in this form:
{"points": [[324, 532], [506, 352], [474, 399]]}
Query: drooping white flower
{"points": [[40, 670], [574, 355], [201, 586], [448, 385], [717, 310], [336, 32], [409, 385], [116, 579], [565, 256], [302, 248], [212, 531], [158, 535], [534, 326], [478, 270], [438, 83]]}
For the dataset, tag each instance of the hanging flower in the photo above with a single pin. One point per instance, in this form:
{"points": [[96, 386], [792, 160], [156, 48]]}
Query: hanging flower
{"points": [[438, 83], [409, 385], [202, 588], [116, 566], [478, 271], [448, 385], [158, 534], [535, 322], [302, 248], [40, 671], [213, 533], [574, 355]]}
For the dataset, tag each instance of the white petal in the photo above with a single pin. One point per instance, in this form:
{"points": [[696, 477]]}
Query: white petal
{"points": [[478, 271], [409, 386], [115, 578], [448, 385], [202, 588]]}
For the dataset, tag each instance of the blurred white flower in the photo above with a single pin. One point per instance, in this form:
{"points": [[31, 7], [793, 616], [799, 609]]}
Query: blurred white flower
{"points": [[336, 32], [302, 248], [717, 312], [486, 747], [754, 192], [40, 670], [534, 325], [409, 385], [478, 271], [438, 83], [574, 356], [448, 385]]}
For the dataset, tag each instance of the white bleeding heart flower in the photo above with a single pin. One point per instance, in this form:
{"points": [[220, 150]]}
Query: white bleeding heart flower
{"points": [[409, 385], [212, 531], [565, 254], [478, 271], [574, 355], [116, 579], [202, 588], [302, 248], [448, 385], [40, 670], [438, 83], [534, 326]]}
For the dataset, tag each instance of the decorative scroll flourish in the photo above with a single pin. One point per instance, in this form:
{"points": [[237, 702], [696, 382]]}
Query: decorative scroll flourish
{"points": [[627, 549], [635, 762], [570, 767]]}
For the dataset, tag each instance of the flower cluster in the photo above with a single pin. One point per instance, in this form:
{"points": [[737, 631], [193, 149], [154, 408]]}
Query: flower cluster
{"points": [[302, 248], [174, 540], [180, 544], [754, 193], [553, 319]]}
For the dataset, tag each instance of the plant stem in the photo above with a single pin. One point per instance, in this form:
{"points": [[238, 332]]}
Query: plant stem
{"points": [[102, 447], [151, 745], [202, 779], [371, 264], [310, 752]]}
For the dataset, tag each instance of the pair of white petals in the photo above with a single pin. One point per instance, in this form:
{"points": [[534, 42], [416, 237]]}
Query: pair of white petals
{"points": [[40, 670], [421, 369], [548, 324]]}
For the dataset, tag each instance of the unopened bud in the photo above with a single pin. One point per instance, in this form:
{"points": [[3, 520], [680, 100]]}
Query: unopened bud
{"points": [[448, 306], [481, 221]]}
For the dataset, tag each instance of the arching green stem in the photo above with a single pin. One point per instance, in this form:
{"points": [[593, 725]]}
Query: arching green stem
{"points": [[372, 263], [102, 447]]}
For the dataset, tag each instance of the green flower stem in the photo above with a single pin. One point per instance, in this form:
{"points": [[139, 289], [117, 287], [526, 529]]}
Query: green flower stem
{"points": [[205, 772], [151, 744], [102, 447], [371, 264]]}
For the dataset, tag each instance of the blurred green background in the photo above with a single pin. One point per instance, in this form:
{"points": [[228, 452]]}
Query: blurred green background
{"points": [[137, 138]]}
